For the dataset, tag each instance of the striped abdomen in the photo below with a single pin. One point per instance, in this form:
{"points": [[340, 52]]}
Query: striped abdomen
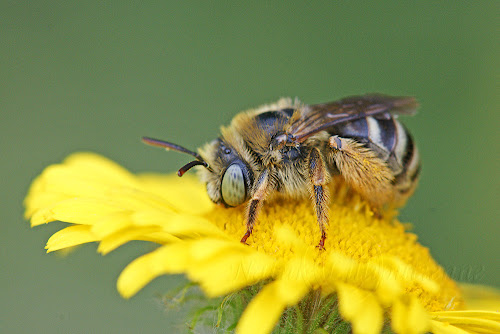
{"points": [[391, 142]]}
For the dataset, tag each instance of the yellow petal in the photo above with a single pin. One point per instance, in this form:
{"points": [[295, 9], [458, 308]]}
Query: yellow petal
{"points": [[77, 210], [147, 267], [181, 191], [121, 237], [409, 316], [178, 224], [39, 199], [388, 288], [370, 276], [263, 312], [87, 163], [360, 308], [63, 179], [303, 269], [488, 315], [66, 181], [221, 275], [160, 237], [69, 237], [111, 223], [407, 273], [223, 266], [479, 321], [438, 327], [202, 261], [480, 297]]}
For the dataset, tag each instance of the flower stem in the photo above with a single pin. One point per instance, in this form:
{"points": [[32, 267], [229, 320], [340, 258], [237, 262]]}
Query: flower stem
{"points": [[319, 316]]}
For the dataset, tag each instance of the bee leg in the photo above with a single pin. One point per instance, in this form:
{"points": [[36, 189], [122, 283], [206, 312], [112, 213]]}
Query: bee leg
{"points": [[363, 170], [318, 177], [260, 191]]}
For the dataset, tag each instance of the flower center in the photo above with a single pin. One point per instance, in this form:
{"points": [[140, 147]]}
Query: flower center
{"points": [[354, 232]]}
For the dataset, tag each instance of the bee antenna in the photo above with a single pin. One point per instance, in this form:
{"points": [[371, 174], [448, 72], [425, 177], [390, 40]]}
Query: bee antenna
{"points": [[174, 147], [190, 165], [170, 146]]}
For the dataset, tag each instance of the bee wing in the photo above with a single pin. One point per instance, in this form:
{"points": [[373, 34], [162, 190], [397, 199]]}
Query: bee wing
{"points": [[322, 116]]}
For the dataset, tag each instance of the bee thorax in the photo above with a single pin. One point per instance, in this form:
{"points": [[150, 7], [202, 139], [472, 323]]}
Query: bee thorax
{"points": [[273, 157], [278, 141]]}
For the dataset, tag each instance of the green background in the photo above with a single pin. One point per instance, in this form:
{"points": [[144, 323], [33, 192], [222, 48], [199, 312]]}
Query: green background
{"points": [[97, 75]]}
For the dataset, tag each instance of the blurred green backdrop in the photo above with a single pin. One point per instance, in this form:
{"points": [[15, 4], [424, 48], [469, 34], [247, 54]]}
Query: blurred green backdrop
{"points": [[97, 75]]}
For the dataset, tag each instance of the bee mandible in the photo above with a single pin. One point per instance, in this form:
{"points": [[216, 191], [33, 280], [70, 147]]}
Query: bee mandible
{"points": [[294, 149]]}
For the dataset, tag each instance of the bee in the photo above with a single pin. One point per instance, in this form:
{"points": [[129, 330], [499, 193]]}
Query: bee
{"points": [[295, 150]]}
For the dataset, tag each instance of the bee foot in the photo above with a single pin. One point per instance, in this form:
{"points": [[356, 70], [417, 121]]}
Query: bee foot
{"points": [[320, 247], [321, 244], [245, 237]]}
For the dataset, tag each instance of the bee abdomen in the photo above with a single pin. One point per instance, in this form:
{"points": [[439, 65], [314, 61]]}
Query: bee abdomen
{"points": [[391, 141]]}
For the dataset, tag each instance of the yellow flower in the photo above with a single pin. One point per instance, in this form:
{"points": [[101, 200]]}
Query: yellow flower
{"points": [[376, 270]]}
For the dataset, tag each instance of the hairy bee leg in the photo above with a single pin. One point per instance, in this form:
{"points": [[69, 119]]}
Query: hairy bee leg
{"points": [[363, 170], [318, 176], [261, 189]]}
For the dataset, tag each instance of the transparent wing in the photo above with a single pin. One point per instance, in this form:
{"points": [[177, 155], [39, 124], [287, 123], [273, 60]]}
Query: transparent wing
{"points": [[322, 116]]}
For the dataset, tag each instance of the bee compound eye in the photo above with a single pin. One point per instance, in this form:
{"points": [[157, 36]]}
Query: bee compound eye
{"points": [[233, 186]]}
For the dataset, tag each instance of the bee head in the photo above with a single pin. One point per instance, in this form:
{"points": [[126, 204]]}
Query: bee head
{"points": [[230, 181], [228, 177]]}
